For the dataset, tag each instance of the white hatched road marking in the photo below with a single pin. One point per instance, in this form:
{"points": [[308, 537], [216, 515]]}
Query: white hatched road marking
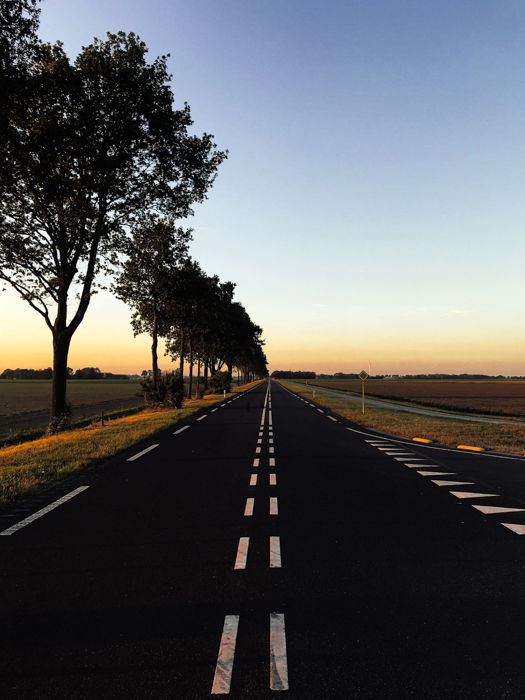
{"points": [[242, 553], [253, 480], [436, 473], [275, 552], [273, 479], [274, 505], [518, 529], [469, 494], [440, 482], [248, 509], [43, 511], [224, 667], [409, 459], [139, 454], [278, 660], [490, 510]]}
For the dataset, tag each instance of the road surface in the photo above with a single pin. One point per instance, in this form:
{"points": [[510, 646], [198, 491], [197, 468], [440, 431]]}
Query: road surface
{"points": [[269, 549]]}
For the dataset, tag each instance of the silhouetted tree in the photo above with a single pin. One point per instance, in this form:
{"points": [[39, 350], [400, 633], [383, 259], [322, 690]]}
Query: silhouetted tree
{"points": [[147, 280], [98, 144]]}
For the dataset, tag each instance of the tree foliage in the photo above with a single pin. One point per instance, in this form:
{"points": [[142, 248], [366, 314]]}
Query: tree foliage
{"points": [[98, 147]]}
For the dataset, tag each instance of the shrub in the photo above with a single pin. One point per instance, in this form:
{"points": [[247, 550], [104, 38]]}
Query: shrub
{"points": [[168, 391], [219, 382]]}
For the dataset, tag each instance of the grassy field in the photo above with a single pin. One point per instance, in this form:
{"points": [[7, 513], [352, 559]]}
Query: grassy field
{"points": [[496, 397], [25, 467], [502, 438], [20, 395]]}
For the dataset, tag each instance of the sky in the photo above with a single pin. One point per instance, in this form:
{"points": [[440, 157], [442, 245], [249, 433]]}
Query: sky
{"points": [[371, 210]]}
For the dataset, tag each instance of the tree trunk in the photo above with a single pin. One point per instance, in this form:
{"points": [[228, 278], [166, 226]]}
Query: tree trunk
{"points": [[205, 374], [190, 386], [181, 361], [61, 341], [238, 376], [198, 377], [154, 344]]}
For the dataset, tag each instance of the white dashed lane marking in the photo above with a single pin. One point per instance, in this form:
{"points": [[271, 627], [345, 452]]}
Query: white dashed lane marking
{"points": [[224, 667], [203, 417], [332, 418], [272, 462], [272, 479], [275, 552], [253, 480], [278, 660], [181, 429], [43, 511], [139, 454], [248, 509], [274, 506], [242, 553]]}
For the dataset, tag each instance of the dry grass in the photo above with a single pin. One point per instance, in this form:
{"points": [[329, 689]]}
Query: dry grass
{"points": [[25, 467], [502, 438]]}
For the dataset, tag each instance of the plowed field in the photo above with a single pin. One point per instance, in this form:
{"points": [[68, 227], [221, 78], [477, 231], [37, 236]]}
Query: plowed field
{"points": [[497, 396]]}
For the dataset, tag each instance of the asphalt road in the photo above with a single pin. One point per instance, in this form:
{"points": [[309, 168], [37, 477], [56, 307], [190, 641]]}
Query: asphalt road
{"points": [[355, 576]]}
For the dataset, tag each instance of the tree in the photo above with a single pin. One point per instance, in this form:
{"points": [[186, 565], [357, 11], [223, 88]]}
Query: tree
{"points": [[18, 38], [98, 146], [146, 281]]}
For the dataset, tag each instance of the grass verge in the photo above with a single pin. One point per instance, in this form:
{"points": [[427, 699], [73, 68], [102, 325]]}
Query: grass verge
{"points": [[26, 467], [446, 431]]}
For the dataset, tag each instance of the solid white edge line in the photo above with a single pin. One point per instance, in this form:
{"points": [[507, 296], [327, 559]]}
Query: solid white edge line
{"points": [[242, 553], [43, 511], [275, 552], [139, 454], [181, 429], [225, 658], [278, 660]]}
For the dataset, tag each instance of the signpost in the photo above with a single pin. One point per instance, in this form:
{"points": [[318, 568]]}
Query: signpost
{"points": [[362, 376]]}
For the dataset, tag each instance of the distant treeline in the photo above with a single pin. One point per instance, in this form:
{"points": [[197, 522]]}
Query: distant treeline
{"points": [[452, 376], [284, 374], [84, 373]]}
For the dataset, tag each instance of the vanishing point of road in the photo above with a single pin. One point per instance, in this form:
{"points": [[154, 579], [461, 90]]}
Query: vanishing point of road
{"points": [[269, 548]]}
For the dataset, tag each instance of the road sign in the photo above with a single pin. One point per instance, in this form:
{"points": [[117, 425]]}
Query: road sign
{"points": [[363, 375]]}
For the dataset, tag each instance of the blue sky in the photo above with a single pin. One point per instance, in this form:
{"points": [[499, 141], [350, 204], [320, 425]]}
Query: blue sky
{"points": [[372, 204]]}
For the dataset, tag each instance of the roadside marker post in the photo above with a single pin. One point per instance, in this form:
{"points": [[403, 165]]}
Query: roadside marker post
{"points": [[363, 376]]}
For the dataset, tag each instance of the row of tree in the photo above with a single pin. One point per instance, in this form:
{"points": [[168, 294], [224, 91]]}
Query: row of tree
{"points": [[173, 298], [96, 166], [289, 374]]}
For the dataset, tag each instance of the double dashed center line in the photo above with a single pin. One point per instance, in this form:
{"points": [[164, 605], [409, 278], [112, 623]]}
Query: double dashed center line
{"points": [[277, 637]]}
